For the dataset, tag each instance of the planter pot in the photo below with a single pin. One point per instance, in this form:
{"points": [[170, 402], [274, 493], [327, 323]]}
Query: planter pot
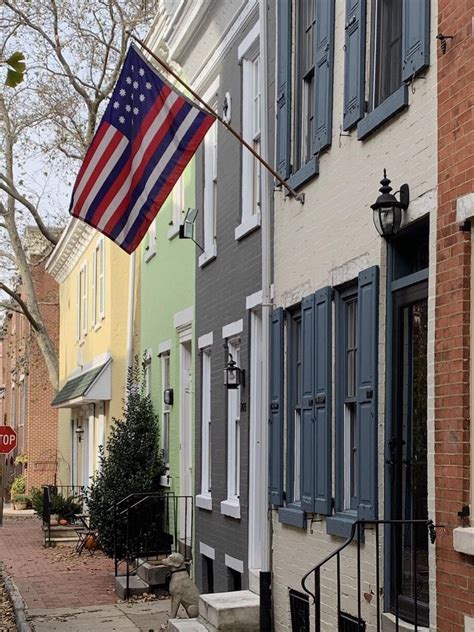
{"points": [[63, 522], [20, 506]]}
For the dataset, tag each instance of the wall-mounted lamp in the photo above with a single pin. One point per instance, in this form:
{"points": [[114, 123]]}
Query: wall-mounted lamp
{"points": [[186, 229], [79, 433], [233, 375], [388, 210], [168, 396]]}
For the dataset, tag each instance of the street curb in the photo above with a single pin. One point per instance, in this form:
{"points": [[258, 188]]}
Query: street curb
{"points": [[22, 624]]}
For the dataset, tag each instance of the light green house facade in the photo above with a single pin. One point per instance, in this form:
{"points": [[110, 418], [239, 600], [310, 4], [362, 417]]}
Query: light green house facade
{"points": [[167, 330]]}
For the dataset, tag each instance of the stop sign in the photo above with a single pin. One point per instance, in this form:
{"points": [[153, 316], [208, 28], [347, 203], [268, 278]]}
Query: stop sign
{"points": [[7, 439]]}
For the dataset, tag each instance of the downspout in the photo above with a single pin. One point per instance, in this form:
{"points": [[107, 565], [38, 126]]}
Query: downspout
{"points": [[266, 193], [131, 305]]}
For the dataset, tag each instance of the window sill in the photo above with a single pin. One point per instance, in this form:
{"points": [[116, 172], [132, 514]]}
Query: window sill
{"points": [[231, 508], [389, 624], [150, 252], [463, 540], [173, 232], [97, 326], [207, 256], [340, 525], [395, 103], [293, 516], [204, 501], [303, 175], [247, 226]]}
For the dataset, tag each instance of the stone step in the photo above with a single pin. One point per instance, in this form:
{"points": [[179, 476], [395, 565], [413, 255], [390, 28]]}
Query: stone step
{"points": [[136, 586], [152, 572], [237, 610], [186, 625], [63, 540]]}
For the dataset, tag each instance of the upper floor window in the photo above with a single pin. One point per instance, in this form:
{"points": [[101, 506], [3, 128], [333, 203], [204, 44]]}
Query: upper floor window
{"points": [[178, 202], [150, 248], [98, 283], [304, 85], [82, 302], [147, 371], [210, 189], [387, 70], [206, 422]]}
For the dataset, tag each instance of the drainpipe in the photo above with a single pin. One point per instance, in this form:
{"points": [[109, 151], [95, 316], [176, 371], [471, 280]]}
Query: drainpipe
{"points": [[131, 305], [266, 196]]}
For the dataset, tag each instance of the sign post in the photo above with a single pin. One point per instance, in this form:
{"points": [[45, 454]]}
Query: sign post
{"points": [[7, 444]]}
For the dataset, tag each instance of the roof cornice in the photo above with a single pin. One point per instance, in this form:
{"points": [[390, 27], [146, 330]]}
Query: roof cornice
{"points": [[71, 246]]}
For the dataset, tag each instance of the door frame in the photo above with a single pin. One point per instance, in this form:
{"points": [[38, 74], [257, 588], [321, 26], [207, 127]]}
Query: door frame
{"points": [[392, 286], [185, 428]]}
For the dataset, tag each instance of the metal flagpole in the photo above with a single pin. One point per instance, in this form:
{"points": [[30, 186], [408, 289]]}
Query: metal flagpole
{"points": [[241, 140]]}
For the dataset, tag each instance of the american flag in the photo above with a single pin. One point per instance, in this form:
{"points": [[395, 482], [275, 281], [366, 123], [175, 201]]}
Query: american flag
{"points": [[147, 136]]}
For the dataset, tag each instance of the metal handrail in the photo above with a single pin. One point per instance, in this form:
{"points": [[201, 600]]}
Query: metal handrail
{"points": [[357, 526]]}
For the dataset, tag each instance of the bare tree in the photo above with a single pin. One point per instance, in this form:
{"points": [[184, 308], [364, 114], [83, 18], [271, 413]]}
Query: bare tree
{"points": [[74, 51]]}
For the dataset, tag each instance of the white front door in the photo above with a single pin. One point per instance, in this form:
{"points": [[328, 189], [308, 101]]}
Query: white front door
{"points": [[185, 453]]}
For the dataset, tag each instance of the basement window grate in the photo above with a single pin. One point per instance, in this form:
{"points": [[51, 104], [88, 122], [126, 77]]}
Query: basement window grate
{"points": [[299, 608], [348, 623]]}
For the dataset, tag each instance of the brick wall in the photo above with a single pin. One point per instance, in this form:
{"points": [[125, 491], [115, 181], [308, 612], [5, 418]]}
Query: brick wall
{"points": [[35, 421], [455, 572]]}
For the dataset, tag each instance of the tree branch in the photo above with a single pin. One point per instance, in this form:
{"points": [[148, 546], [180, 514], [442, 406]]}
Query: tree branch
{"points": [[24, 308]]}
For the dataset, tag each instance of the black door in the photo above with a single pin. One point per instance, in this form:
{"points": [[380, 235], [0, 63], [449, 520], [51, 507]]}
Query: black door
{"points": [[408, 447]]}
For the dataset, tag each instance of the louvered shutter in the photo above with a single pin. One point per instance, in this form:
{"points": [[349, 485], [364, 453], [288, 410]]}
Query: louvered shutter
{"points": [[416, 37], [276, 408], [322, 399], [284, 88], [324, 71], [367, 392], [354, 62], [307, 400]]}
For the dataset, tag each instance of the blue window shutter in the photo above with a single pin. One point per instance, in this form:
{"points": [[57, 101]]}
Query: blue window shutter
{"points": [[368, 303], [323, 73], [354, 62], [322, 399], [283, 113], [307, 396], [276, 407], [416, 37]]}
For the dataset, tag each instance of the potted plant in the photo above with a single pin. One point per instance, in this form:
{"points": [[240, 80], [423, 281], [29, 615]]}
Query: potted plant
{"points": [[18, 489], [65, 509], [20, 502]]}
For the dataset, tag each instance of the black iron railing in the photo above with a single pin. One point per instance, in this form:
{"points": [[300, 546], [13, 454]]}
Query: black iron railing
{"points": [[50, 492], [148, 526], [407, 598]]}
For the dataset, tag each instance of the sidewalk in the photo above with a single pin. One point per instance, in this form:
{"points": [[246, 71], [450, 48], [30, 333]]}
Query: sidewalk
{"points": [[64, 591]]}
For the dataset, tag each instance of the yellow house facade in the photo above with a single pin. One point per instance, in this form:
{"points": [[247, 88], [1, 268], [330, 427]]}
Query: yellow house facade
{"points": [[94, 345]]}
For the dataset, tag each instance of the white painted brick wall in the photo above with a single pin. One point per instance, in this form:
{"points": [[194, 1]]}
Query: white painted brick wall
{"points": [[328, 240]]}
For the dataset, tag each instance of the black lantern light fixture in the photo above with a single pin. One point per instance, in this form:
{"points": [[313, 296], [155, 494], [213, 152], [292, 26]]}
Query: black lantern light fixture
{"points": [[387, 209], [79, 433], [233, 375]]}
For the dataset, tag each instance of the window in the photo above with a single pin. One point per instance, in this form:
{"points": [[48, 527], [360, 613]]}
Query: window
{"points": [[178, 204], [82, 302], [166, 408], [233, 431], [387, 69], [147, 370], [98, 283], [294, 406], [304, 85], [207, 574], [150, 248], [398, 50], [210, 190], [251, 116], [24, 399], [348, 367], [206, 423]]}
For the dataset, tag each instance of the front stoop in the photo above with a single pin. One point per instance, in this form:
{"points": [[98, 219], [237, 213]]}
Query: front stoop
{"points": [[186, 625], [237, 610], [136, 586]]}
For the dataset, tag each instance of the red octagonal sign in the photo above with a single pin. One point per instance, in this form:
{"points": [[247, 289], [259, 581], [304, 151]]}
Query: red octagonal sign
{"points": [[7, 439]]}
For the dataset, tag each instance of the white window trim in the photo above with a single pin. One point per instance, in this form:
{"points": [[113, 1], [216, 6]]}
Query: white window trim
{"points": [[150, 248], [204, 501], [206, 340], [230, 507], [173, 231], [178, 197], [101, 277], [207, 550], [210, 249], [164, 347], [248, 52], [147, 361], [184, 318], [94, 289], [206, 421], [233, 438], [234, 563], [83, 306], [165, 358], [233, 329]]}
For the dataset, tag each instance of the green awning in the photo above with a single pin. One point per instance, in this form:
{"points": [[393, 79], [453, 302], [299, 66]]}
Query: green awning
{"points": [[90, 385]]}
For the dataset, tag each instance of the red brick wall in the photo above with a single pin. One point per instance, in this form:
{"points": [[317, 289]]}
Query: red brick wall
{"points": [[455, 572], [37, 438]]}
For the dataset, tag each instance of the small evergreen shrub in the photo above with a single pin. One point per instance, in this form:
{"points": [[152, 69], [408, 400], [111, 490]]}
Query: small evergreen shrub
{"points": [[18, 486], [132, 462]]}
